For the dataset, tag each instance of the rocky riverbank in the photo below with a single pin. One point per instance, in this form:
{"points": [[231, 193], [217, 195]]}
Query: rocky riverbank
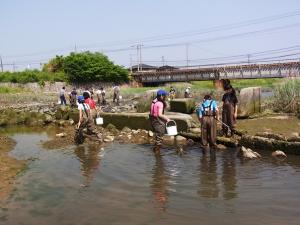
{"points": [[9, 167]]}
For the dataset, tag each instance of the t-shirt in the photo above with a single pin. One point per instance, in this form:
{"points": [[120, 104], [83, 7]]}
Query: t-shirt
{"points": [[91, 103], [156, 106], [80, 106], [229, 98], [206, 103], [116, 89], [74, 92], [62, 92]]}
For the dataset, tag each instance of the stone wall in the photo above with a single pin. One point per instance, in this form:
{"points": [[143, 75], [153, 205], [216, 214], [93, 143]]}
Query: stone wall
{"points": [[56, 86]]}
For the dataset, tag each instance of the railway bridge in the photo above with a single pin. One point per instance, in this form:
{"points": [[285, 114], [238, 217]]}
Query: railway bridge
{"points": [[248, 71]]}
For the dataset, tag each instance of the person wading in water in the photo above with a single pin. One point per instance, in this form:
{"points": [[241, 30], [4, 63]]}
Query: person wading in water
{"points": [[229, 110], [158, 119], [207, 115], [85, 121]]}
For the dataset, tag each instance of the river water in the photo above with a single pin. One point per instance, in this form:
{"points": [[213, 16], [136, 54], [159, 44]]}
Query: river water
{"points": [[127, 184]]}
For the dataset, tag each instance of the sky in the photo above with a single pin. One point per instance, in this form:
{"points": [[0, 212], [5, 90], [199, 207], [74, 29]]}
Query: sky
{"points": [[170, 32]]}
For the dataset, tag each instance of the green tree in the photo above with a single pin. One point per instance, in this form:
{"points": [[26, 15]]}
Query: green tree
{"points": [[54, 65], [87, 67]]}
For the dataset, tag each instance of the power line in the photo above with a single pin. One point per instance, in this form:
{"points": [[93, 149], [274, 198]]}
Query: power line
{"points": [[253, 54], [173, 35]]}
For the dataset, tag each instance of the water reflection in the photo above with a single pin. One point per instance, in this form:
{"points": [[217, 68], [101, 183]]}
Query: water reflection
{"points": [[89, 157], [229, 176], [209, 182], [208, 176], [159, 184]]}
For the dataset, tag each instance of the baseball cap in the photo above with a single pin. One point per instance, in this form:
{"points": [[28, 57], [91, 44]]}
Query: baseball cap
{"points": [[80, 98], [161, 93]]}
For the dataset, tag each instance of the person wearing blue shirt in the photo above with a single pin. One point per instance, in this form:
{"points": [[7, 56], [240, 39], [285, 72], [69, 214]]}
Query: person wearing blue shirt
{"points": [[207, 113]]}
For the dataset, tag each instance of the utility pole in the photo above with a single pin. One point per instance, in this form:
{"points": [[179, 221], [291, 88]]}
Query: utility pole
{"points": [[248, 56], [1, 63], [163, 60], [130, 56], [141, 57], [138, 56], [75, 48], [187, 54]]}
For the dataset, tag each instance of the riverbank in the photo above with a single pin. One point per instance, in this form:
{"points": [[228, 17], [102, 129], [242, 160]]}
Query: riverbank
{"points": [[9, 167]]}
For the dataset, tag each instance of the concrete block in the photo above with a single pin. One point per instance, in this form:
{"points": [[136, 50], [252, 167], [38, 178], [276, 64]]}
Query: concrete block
{"points": [[183, 105]]}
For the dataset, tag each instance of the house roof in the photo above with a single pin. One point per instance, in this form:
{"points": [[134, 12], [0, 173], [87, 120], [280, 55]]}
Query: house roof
{"points": [[144, 66], [166, 67]]}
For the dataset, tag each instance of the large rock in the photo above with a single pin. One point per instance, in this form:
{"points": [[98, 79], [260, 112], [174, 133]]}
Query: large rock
{"points": [[183, 105], [248, 153], [249, 101]]}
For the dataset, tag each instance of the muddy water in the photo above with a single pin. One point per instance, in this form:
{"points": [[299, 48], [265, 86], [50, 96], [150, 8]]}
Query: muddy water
{"points": [[127, 184]]}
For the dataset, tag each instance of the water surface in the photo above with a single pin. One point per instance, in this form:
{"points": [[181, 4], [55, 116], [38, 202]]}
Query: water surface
{"points": [[127, 184]]}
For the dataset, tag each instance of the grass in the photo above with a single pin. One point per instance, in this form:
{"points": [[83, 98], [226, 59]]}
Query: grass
{"points": [[287, 96], [265, 83], [11, 90], [242, 83]]}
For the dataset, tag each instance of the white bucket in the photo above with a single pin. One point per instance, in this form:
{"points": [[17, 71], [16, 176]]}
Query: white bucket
{"points": [[99, 120], [171, 130]]}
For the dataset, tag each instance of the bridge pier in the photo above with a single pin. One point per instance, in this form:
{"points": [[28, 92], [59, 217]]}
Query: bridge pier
{"points": [[218, 84]]}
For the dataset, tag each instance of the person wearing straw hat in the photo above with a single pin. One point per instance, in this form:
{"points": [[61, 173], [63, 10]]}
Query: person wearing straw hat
{"points": [[207, 113], [158, 119]]}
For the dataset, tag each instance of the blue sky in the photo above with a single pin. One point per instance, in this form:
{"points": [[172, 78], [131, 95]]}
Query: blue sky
{"points": [[33, 31]]}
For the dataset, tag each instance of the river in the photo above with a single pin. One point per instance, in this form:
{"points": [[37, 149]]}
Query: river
{"points": [[127, 184]]}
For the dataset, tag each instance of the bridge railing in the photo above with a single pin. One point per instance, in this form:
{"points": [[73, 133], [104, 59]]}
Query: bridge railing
{"points": [[252, 71]]}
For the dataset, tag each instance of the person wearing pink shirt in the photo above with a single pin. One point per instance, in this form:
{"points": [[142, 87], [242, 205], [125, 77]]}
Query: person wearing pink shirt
{"points": [[158, 119]]}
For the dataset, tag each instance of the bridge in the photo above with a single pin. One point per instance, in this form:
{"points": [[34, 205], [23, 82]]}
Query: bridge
{"points": [[248, 71]]}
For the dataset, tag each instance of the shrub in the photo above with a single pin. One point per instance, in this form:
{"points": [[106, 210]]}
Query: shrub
{"points": [[287, 96], [28, 76]]}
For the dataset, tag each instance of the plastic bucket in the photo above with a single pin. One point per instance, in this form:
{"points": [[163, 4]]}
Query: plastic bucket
{"points": [[171, 129], [99, 120]]}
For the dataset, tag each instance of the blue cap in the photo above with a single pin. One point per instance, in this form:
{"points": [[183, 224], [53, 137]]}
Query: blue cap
{"points": [[161, 93], [80, 98]]}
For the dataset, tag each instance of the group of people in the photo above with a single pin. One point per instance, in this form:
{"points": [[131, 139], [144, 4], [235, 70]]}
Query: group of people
{"points": [[207, 113], [99, 96], [187, 93], [89, 108]]}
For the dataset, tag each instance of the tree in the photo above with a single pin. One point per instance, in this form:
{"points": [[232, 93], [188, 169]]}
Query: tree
{"points": [[54, 65], [87, 67]]}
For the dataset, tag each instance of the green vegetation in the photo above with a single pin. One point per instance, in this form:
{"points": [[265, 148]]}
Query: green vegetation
{"points": [[31, 76], [76, 67], [206, 84], [287, 96], [54, 65], [240, 83], [264, 83], [10, 90], [87, 66]]}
